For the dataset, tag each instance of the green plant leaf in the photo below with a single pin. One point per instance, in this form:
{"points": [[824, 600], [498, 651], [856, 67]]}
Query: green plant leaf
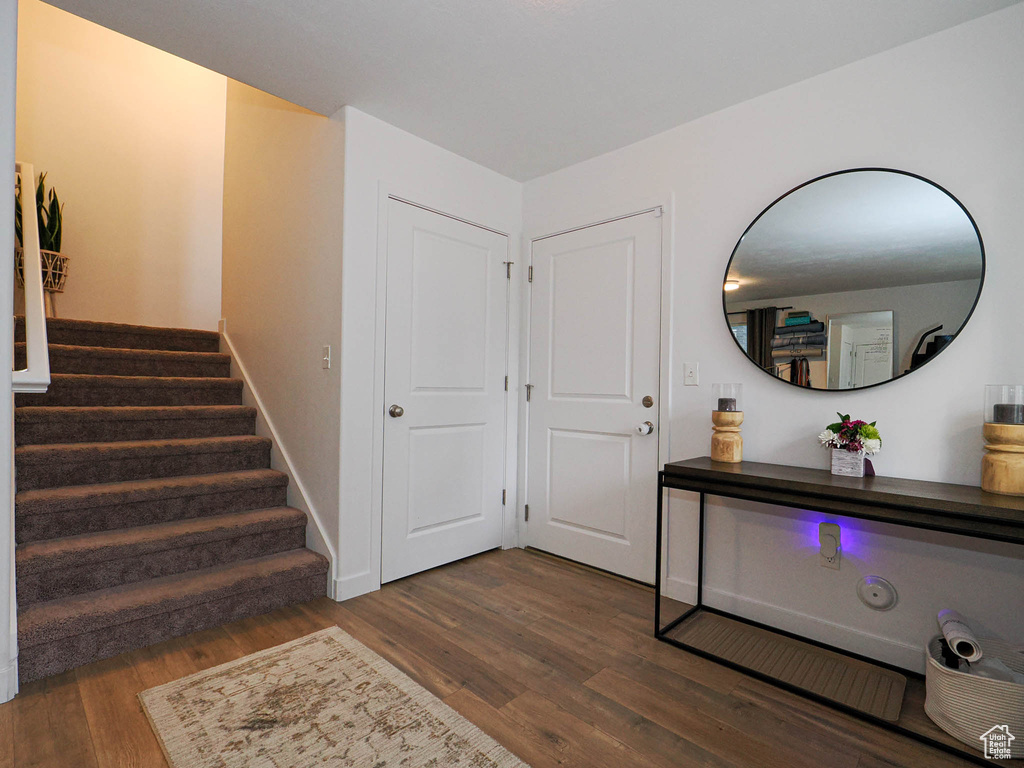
{"points": [[49, 216], [53, 223], [869, 431], [17, 210], [60, 228]]}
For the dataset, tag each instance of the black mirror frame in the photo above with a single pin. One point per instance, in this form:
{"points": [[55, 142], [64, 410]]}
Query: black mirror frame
{"points": [[974, 306]]}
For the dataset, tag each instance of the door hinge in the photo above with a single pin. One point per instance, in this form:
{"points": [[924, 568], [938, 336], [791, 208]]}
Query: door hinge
{"points": [[506, 383], [527, 516], [508, 269], [502, 497], [528, 388], [530, 276]]}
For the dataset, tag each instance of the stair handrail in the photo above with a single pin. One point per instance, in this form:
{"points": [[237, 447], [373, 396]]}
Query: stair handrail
{"points": [[35, 377]]}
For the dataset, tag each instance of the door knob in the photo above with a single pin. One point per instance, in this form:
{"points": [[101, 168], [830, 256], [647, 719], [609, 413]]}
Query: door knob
{"points": [[645, 429], [395, 411]]}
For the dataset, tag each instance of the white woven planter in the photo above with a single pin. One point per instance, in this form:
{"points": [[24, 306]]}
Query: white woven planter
{"points": [[54, 268], [847, 463], [966, 706]]}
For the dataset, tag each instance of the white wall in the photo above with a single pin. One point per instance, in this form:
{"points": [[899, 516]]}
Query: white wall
{"points": [[947, 107], [8, 618], [133, 140], [381, 159], [284, 194]]}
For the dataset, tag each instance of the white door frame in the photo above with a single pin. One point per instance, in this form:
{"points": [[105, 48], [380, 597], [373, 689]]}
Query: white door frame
{"points": [[8, 597], [509, 530], [666, 204]]}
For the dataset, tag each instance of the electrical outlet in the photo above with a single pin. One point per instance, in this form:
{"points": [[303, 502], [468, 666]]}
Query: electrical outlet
{"points": [[327, 356], [691, 374], [829, 537]]}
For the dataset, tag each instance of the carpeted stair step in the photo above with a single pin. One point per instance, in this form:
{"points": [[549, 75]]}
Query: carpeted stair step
{"points": [[63, 464], [88, 333], [55, 512], [89, 390], [62, 634], [58, 568], [107, 361], [70, 424], [146, 508]]}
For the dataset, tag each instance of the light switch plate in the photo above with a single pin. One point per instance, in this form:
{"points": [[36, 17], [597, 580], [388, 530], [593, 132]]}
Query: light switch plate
{"points": [[691, 374], [327, 356]]}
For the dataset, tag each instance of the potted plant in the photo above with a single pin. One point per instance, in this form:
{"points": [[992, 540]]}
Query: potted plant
{"points": [[50, 219], [851, 441]]}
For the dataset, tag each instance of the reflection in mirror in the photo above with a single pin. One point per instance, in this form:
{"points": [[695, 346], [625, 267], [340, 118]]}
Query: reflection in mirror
{"points": [[862, 349], [853, 279]]}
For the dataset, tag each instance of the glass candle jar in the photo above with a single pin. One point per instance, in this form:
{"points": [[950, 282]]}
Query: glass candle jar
{"points": [[727, 397], [1004, 404]]}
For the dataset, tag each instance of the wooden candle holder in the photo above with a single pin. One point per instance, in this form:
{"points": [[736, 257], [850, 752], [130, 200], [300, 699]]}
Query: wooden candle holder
{"points": [[1002, 467], [726, 441]]}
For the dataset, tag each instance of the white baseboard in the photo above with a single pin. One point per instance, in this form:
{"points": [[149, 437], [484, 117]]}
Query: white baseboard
{"points": [[354, 585], [9, 681], [298, 496], [873, 646], [683, 590], [853, 639]]}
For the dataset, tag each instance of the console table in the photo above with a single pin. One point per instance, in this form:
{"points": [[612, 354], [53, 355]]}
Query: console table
{"points": [[960, 509]]}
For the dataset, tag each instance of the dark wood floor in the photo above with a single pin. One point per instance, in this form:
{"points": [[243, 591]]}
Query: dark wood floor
{"points": [[554, 661]]}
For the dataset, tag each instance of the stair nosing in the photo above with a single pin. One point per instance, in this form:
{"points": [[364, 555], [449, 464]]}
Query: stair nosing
{"points": [[96, 326], [102, 413], [32, 454], [132, 352], [78, 497], [129, 381], [62, 624], [90, 548]]}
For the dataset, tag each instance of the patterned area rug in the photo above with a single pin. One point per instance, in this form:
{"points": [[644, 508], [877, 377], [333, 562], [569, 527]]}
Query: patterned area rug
{"points": [[324, 700]]}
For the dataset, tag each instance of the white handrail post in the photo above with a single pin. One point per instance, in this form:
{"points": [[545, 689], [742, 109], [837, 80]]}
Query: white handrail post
{"points": [[34, 378], [8, 609], [36, 375]]}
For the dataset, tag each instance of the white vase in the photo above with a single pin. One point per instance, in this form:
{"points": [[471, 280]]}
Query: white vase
{"points": [[847, 463]]}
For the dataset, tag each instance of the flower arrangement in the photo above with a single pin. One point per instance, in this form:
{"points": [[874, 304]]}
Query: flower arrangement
{"points": [[853, 436]]}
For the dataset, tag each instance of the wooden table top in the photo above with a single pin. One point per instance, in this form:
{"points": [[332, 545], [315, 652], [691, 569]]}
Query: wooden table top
{"points": [[948, 507]]}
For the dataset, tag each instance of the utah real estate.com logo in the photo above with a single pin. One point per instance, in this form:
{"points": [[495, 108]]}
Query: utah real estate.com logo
{"points": [[997, 740]]}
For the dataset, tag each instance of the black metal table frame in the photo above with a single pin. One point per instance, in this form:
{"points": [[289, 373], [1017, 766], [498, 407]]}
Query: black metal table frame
{"points": [[661, 633]]}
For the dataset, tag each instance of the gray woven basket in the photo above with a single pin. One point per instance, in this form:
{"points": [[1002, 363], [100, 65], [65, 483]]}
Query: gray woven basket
{"points": [[966, 706]]}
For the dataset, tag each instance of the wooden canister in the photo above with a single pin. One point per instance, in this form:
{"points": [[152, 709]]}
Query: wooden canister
{"points": [[726, 441], [1002, 467]]}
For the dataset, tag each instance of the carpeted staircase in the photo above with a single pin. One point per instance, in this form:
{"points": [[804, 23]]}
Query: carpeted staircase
{"points": [[145, 504]]}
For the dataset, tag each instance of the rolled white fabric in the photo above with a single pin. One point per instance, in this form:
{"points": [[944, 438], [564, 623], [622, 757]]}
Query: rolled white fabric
{"points": [[959, 636], [994, 669]]}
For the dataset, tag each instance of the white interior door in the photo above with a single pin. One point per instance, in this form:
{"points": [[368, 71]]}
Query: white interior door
{"points": [[866, 355], [594, 358], [444, 389]]}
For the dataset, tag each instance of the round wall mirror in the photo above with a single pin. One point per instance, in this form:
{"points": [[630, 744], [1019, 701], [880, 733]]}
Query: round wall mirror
{"points": [[854, 279]]}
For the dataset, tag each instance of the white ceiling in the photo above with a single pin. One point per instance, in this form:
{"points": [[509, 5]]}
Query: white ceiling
{"points": [[853, 232], [526, 86]]}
